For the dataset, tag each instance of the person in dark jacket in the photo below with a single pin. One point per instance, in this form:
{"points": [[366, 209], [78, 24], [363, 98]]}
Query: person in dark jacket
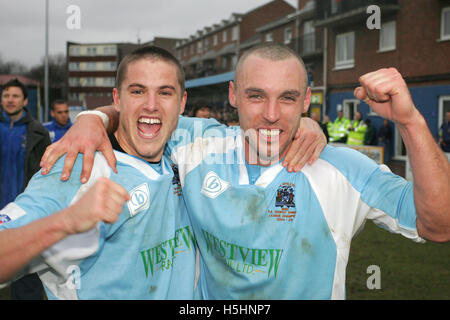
{"points": [[384, 139], [370, 135], [61, 120], [23, 141]]}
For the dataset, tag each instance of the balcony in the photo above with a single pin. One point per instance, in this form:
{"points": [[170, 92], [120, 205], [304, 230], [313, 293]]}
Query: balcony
{"points": [[337, 13], [309, 45]]}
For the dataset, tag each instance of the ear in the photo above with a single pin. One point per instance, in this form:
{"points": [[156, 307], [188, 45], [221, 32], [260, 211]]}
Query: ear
{"points": [[25, 102], [116, 99], [183, 102], [52, 113], [232, 94], [307, 100]]}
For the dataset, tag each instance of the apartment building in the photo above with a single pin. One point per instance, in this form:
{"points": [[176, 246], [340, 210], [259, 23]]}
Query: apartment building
{"points": [[297, 30], [413, 36], [91, 69]]}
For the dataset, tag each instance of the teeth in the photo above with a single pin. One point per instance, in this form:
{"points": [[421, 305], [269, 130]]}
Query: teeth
{"points": [[149, 120], [270, 132]]}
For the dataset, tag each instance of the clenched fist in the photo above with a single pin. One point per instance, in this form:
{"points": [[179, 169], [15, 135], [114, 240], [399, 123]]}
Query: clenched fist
{"points": [[102, 202], [385, 91]]}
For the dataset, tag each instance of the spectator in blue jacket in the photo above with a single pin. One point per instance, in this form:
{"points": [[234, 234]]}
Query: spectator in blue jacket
{"points": [[61, 121], [23, 141]]}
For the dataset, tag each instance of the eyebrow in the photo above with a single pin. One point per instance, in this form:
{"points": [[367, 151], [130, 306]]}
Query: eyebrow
{"points": [[291, 92], [253, 90], [167, 86], [295, 93]]}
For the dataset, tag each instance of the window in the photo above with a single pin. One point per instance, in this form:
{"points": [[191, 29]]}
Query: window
{"points": [[351, 106], [444, 107], [345, 50], [268, 37], [206, 44], [199, 46], [215, 40], [108, 82], [224, 62], [387, 36], [224, 36], [74, 82], [309, 37], [74, 66], [91, 51], [235, 33], [445, 24], [287, 35], [192, 48], [91, 66], [74, 51], [90, 82]]}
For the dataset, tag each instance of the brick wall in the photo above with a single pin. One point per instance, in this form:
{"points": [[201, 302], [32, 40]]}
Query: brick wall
{"points": [[418, 52]]}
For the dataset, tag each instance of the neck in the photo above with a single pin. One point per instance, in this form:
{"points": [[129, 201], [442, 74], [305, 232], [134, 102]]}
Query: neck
{"points": [[123, 143], [16, 115]]}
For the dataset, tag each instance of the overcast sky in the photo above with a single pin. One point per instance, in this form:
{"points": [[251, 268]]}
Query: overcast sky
{"points": [[22, 22]]}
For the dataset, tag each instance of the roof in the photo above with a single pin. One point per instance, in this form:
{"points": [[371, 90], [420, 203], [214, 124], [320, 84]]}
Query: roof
{"points": [[4, 78], [218, 78]]}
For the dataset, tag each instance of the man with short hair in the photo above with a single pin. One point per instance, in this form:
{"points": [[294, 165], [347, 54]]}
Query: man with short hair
{"points": [[356, 130], [94, 243], [23, 141], [61, 120], [339, 127]]}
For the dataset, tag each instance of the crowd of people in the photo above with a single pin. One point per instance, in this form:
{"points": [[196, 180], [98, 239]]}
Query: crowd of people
{"points": [[202, 232], [356, 131]]}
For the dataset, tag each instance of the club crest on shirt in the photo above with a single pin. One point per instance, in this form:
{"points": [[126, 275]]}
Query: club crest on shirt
{"points": [[139, 199], [285, 196], [4, 218], [284, 208]]}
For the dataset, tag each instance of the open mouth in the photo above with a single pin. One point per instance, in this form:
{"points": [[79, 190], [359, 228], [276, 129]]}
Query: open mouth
{"points": [[148, 127]]}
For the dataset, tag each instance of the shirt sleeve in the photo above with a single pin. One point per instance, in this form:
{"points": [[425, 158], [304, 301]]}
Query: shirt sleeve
{"points": [[46, 195], [188, 131]]}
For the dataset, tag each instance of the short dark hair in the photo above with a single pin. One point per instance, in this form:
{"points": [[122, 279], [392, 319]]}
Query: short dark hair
{"points": [[16, 83], [151, 52], [201, 104], [58, 101]]}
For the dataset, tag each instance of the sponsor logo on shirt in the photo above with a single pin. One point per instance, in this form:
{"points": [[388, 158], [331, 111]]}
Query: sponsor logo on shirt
{"points": [[139, 199], [284, 209], [213, 186], [4, 218], [162, 256], [251, 261]]}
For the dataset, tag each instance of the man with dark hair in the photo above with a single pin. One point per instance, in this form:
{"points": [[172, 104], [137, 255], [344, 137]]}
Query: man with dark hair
{"points": [[140, 249], [202, 110], [23, 141], [61, 120]]}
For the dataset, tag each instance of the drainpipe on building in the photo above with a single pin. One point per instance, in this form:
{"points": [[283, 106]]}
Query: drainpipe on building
{"points": [[325, 69]]}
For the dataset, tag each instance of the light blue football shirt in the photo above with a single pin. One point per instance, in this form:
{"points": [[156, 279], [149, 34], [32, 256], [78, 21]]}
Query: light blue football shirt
{"points": [[149, 253], [287, 235]]}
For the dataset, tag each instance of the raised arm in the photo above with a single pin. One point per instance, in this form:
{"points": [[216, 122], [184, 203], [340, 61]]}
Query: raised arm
{"points": [[103, 202], [385, 91], [85, 136]]}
